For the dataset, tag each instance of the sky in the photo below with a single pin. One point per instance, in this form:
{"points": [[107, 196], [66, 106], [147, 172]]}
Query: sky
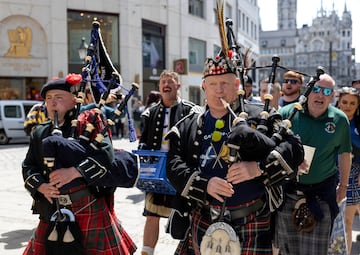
{"points": [[307, 11]]}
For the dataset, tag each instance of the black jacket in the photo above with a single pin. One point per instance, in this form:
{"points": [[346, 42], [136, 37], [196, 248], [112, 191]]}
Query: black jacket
{"points": [[153, 119], [92, 164], [183, 169]]}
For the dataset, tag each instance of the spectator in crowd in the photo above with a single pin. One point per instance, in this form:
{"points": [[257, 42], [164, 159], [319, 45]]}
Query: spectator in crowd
{"points": [[275, 92], [356, 84], [303, 224], [153, 98], [291, 88], [35, 116], [348, 102], [158, 119], [248, 87], [138, 109]]}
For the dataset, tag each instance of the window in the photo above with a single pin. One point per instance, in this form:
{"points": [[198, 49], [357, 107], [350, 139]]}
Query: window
{"points": [[21, 88], [239, 19], [247, 25], [252, 30], [228, 11], [216, 50], [79, 26], [11, 88], [196, 7], [243, 21], [12, 111], [194, 94], [153, 45], [197, 52]]}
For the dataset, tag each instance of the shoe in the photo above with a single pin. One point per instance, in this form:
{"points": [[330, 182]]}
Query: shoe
{"points": [[144, 253]]}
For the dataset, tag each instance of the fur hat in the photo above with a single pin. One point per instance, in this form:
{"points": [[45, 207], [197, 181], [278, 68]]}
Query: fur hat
{"points": [[218, 66]]}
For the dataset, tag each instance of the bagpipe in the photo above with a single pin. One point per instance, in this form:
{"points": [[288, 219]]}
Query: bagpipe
{"points": [[89, 128], [253, 135]]}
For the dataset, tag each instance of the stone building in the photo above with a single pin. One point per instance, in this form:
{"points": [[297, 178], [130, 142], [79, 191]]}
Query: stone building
{"points": [[326, 42]]}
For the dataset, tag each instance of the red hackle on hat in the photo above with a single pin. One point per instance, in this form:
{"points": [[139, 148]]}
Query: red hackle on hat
{"points": [[73, 78]]}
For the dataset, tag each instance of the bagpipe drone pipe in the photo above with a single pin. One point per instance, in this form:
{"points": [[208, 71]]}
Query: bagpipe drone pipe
{"points": [[253, 133], [89, 128]]}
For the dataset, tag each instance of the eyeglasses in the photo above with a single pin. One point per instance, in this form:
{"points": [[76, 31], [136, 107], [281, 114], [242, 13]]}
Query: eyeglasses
{"points": [[292, 81], [326, 91], [217, 135]]}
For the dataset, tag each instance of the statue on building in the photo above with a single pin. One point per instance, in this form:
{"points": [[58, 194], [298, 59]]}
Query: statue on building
{"points": [[20, 42]]}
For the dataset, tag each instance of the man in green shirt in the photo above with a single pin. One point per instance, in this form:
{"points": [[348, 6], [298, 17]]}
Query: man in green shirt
{"points": [[316, 193]]}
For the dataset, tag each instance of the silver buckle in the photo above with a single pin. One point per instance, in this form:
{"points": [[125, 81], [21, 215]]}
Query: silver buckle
{"points": [[64, 200], [215, 213]]}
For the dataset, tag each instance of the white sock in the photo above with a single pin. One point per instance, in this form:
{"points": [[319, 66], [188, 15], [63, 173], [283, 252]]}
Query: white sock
{"points": [[148, 250]]}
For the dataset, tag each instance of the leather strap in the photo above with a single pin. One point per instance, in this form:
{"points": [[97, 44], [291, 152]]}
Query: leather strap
{"points": [[246, 210], [68, 199]]}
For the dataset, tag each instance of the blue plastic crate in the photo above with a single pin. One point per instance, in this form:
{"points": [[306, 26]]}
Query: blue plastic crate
{"points": [[153, 172]]}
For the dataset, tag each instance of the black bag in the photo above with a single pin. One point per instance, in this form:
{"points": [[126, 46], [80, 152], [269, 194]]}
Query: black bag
{"points": [[178, 224], [179, 220]]}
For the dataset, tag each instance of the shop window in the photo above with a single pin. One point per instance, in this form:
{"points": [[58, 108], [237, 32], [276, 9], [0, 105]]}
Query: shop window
{"points": [[79, 27]]}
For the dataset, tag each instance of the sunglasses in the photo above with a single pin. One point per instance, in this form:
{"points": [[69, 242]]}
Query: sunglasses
{"points": [[348, 90], [217, 135], [292, 81], [326, 91]]}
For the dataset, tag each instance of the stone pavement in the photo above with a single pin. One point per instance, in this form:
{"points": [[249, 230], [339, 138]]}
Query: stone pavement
{"points": [[17, 222]]}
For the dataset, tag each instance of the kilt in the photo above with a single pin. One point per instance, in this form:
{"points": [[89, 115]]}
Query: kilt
{"points": [[253, 231], [353, 190], [293, 242], [102, 233], [158, 205]]}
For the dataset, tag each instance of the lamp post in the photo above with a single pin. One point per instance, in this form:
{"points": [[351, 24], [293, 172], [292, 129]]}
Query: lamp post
{"points": [[83, 49]]}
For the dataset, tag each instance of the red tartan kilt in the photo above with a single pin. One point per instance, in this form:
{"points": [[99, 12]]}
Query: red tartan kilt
{"points": [[102, 232]]}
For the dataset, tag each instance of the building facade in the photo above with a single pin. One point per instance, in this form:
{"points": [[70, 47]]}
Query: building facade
{"points": [[326, 42], [41, 39]]}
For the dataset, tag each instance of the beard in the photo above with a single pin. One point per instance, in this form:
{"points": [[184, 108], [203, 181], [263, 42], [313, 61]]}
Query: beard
{"points": [[290, 92]]}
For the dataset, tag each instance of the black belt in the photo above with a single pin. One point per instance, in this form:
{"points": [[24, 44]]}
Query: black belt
{"points": [[246, 210], [68, 199], [240, 212]]}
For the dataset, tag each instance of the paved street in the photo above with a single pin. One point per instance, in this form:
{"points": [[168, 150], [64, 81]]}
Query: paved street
{"points": [[17, 222]]}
